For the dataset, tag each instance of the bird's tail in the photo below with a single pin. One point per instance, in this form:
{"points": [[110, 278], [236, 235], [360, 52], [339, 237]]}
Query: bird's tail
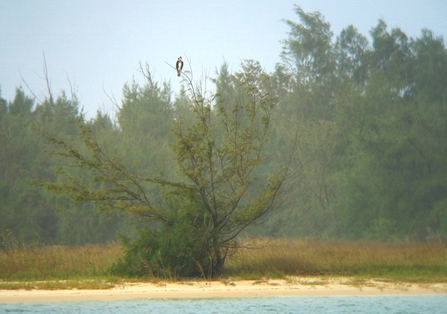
{"points": [[178, 72]]}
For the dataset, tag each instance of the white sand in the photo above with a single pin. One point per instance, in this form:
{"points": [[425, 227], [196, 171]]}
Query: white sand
{"points": [[216, 289]]}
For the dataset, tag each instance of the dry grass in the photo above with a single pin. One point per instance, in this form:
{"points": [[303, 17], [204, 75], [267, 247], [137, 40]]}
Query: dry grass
{"points": [[279, 258], [57, 262], [76, 267]]}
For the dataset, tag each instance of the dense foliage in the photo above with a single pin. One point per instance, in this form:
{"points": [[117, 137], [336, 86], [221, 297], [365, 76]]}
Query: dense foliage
{"points": [[370, 161]]}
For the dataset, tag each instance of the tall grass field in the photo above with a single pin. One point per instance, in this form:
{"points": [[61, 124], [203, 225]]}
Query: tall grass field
{"points": [[407, 261], [262, 258], [57, 262]]}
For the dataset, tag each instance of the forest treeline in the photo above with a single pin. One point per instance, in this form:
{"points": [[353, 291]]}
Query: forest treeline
{"points": [[368, 116]]}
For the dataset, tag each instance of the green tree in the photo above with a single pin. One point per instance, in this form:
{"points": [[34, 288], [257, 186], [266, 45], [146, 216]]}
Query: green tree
{"points": [[309, 48], [31, 215], [215, 199], [370, 132], [23, 209], [395, 132], [353, 54]]}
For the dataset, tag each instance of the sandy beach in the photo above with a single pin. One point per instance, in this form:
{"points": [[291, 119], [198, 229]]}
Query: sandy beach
{"points": [[228, 289]]}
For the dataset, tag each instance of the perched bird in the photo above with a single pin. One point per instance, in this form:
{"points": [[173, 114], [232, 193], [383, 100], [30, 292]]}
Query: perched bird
{"points": [[179, 66]]}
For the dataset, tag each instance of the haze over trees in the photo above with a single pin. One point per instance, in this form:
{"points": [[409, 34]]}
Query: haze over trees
{"points": [[370, 161]]}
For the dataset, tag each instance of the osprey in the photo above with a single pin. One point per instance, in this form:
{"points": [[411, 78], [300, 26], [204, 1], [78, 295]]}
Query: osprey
{"points": [[179, 66]]}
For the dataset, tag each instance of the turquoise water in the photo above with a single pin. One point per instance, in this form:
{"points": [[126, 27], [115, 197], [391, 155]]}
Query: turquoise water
{"points": [[431, 304]]}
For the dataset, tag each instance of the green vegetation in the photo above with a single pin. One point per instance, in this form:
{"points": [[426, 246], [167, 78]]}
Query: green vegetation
{"points": [[216, 194], [88, 267], [180, 179]]}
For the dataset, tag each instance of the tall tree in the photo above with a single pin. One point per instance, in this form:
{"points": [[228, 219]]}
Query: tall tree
{"points": [[216, 155]]}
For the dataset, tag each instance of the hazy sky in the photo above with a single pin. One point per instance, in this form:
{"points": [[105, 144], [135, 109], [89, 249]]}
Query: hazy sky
{"points": [[98, 44]]}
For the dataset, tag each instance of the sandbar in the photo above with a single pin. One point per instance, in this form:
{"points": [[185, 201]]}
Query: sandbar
{"points": [[229, 289]]}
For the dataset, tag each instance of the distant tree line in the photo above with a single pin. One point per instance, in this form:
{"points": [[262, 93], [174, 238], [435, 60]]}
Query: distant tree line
{"points": [[370, 161]]}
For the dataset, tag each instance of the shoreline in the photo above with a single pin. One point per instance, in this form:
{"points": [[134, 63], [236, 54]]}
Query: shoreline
{"points": [[235, 289]]}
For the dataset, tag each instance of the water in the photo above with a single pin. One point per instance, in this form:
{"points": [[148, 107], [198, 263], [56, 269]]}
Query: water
{"points": [[430, 304]]}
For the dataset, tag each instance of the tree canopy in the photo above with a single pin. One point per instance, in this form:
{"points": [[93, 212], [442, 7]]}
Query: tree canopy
{"points": [[364, 115]]}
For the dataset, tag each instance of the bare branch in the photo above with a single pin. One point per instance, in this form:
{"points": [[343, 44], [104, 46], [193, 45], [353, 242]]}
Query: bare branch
{"points": [[47, 79], [29, 88]]}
